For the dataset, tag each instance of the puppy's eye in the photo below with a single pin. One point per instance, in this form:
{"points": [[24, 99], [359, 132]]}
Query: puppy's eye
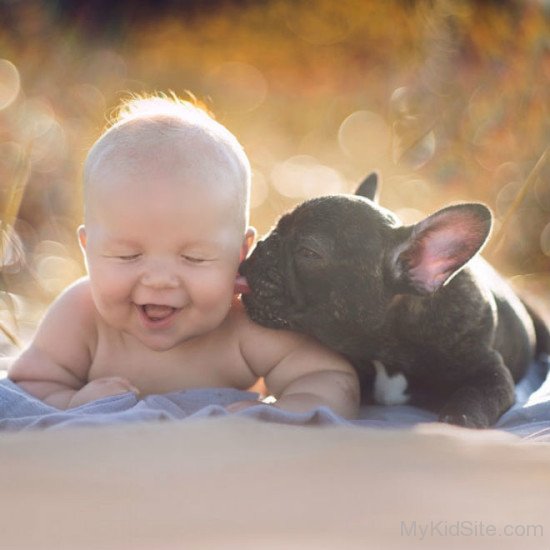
{"points": [[308, 253]]}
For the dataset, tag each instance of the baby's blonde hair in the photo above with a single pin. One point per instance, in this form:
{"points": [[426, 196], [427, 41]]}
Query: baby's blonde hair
{"points": [[159, 120]]}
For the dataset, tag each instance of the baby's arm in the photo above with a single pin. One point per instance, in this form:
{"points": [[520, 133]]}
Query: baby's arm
{"points": [[301, 373], [54, 367]]}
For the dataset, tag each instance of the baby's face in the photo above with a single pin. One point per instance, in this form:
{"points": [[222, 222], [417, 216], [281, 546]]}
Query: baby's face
{"points": [[162, 250]]}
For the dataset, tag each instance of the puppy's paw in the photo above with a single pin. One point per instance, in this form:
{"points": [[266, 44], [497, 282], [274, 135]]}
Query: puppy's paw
{"points": [[463, 420]]}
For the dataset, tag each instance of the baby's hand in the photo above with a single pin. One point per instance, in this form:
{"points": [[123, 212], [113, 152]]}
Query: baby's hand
{"points": [[101, 387]]}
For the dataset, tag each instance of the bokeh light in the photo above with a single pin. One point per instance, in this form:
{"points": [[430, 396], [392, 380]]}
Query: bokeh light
{"points": [[416, 152], [259, 189], [55, 268], [237, 87], [364, 137], [302, 176], [9, 83], [410, 216], [413, 137]]}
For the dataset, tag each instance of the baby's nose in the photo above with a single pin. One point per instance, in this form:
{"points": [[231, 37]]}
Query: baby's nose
{"points": [[160, 274]]}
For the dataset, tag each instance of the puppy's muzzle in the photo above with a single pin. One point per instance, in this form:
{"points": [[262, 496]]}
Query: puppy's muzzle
{"points": [[267, 301]]}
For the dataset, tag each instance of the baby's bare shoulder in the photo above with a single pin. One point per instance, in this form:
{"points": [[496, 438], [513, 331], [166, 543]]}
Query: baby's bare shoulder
{"points": [[263, 348], [63, 345], [72, 317], [78, 293]]}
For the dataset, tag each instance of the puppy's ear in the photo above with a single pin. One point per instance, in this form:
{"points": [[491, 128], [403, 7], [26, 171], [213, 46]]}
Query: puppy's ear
{"points": [[439, 246], [369, 187]]}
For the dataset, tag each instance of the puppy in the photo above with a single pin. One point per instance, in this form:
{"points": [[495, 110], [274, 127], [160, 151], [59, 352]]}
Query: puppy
{"points": [[423, 318]]}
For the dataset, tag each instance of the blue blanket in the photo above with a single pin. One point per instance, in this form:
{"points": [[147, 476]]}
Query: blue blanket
{"points": [[529, 418]]}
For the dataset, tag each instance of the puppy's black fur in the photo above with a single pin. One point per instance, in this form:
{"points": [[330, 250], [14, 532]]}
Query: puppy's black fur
{"points": [[421, 322]]}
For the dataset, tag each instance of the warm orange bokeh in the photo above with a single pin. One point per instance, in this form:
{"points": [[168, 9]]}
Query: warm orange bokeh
{"points": [[448, 100]]}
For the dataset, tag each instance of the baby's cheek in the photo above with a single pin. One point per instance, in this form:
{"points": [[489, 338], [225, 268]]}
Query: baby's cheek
{"points": [[215, 288], [109, 284]]}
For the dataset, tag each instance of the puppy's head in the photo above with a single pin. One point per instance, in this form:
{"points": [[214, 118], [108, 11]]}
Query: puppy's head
{"points": [[331, 267]]}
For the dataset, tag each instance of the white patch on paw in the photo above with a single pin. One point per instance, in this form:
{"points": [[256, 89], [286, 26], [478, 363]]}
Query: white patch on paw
{"points": [[389, 390]]}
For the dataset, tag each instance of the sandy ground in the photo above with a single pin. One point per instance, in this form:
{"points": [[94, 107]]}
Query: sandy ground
{"points": [[238, 483]]}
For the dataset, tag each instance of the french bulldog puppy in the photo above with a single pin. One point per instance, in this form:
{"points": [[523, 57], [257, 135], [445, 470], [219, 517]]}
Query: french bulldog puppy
{"points": [[423, 318]]}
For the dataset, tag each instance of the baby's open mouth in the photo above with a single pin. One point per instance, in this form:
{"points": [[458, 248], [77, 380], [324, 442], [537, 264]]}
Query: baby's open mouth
{"points": [[155, 312]]}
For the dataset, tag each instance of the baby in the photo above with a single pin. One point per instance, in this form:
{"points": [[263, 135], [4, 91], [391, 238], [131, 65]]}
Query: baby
{"points": [[166, 205]]}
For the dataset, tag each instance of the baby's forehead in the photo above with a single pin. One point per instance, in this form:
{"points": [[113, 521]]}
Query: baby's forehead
{"points": [[164, 143], [150, 151]]}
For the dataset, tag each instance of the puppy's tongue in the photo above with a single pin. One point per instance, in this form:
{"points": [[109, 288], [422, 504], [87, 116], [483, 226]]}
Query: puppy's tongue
{"points": [[241, 285], [157, 312]]}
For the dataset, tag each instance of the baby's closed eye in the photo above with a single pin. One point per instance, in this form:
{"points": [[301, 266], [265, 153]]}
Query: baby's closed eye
{"points": [[199, 258], [194, 259], [121, 255]]}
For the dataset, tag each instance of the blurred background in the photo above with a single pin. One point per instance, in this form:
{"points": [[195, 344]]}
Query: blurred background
{"points": [[449, 100]]}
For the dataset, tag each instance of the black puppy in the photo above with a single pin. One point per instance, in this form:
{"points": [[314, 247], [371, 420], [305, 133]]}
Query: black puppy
{"points": [[421, 323]]}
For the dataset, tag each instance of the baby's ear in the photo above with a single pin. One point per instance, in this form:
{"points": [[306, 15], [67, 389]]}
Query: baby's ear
{"points": [[81, 232], [249, 237]]}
